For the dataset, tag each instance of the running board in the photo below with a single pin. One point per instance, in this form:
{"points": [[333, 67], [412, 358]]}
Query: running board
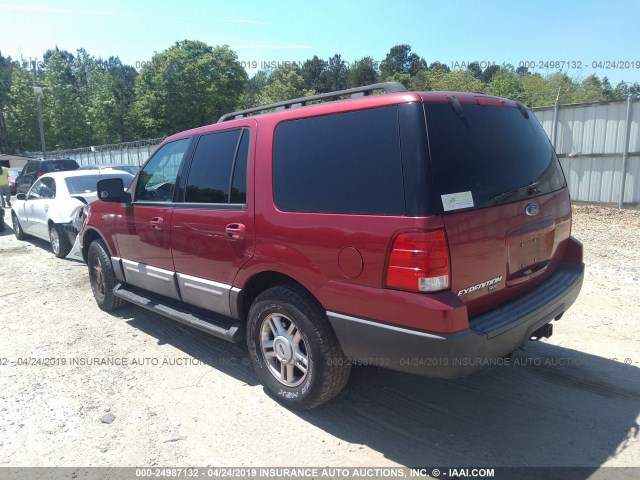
{"points": [[198, 318]]}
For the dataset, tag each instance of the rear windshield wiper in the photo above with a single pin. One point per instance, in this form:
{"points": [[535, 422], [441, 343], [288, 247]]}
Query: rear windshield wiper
{"points": [[532, 186]]}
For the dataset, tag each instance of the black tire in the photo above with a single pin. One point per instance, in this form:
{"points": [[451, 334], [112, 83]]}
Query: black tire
{"points": [[327, 369], [60, 244], [17, 228], [102, 278]]}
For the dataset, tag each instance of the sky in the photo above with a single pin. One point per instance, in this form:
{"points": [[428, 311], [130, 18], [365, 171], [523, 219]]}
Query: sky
{"points": [[590, 36]]}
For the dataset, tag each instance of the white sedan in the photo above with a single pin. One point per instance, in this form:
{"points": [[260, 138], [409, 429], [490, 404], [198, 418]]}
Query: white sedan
{"points": [[52, 209]]}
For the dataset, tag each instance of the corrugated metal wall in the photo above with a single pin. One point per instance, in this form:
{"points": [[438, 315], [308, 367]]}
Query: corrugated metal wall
{"points": [[590, 140]]}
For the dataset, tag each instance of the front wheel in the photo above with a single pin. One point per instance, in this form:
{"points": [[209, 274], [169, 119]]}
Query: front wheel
{"points": [[294, 349], [102, 277], [17, 228], [60, 244]]}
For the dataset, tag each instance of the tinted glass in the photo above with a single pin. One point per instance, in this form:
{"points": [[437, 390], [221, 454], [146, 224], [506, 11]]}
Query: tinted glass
{"points": [[48, 189], [493, 152], [341, 163], [30, 167], [58, 165], [158, 177], [239, 184], [210, 172], [35, 191], [87, 183]]}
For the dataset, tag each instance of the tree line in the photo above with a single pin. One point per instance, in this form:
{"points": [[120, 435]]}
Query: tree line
{"points": [[90, 101]]}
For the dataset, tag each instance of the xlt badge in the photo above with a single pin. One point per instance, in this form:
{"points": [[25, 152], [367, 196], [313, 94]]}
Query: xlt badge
{"points": [[487, 283]]}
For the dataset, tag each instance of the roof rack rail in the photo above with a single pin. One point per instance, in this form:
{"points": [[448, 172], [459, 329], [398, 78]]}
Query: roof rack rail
{"points": [[387, 87]]}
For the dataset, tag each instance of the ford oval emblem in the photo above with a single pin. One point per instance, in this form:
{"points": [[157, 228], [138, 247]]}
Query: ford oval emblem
{"points": [[532, 209]]}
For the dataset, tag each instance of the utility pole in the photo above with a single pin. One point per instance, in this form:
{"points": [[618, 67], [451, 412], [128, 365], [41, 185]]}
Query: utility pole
{"points": [[37, 90]]}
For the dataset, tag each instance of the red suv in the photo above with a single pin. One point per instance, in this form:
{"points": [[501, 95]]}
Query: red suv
{"points": [[428, 232]]}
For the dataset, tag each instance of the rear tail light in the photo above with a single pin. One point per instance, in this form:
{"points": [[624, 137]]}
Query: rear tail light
{"points": [[39, 174], [419, 262]]}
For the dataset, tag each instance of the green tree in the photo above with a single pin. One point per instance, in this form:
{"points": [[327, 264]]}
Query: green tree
{"points": [[506, 83], [21, 116], [624, 89], [363, 72], [475, 69], [95, 91], [337, 73], [488, 73], [314, 72], [187, 85], [591, 89], [62, 110], [253, 88], [400, 59], [123, 78], [439, 79], [561, 86], [403, 78], [284, 84], [6, 70], [439, 66], [536, 91]]}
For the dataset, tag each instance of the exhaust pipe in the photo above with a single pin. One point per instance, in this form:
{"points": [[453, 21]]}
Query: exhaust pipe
{"points": [[543, 332]]}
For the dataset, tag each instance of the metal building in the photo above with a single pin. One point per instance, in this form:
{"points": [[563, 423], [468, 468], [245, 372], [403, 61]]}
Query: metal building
{"points": [[596, 143]]}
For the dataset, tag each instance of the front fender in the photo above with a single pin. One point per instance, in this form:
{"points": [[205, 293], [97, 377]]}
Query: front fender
{"points": [[65, 212]]}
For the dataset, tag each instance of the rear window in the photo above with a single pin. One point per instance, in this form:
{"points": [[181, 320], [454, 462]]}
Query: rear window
{"points": [[57, 165], [341, 163], [490, 155], [87, 183]]}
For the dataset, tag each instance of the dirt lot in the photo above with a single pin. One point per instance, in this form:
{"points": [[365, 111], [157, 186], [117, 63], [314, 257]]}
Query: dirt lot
{"points": [[178, 397]]}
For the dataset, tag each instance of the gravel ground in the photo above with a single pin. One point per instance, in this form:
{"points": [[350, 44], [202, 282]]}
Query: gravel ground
{"points": [[79, 386]]}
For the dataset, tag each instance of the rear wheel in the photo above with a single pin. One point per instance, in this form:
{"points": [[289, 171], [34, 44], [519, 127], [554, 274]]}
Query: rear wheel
{"points": [[102, 277], [17, 228], [294, 349], [60, 243]]}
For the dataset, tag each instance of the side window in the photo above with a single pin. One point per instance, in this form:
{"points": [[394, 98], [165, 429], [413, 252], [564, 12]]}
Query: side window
{"points": [[341, 163], [35, 192], [158, 177], [218, 171], [48, 189], [239, 182]]}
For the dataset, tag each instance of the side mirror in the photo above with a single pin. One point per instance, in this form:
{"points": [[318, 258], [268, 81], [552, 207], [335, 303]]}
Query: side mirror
{"points": [[112, 190], [21, 196]]}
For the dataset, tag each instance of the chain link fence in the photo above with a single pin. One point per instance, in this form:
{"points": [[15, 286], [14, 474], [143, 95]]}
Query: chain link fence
{"points": [[129, 153]]}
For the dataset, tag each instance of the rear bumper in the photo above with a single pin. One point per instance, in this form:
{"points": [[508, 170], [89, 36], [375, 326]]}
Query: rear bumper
{"points": [[489, 337]]}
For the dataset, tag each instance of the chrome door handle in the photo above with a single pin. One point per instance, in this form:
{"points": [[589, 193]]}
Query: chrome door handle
{"points": [[156, 223], [236, 231]]}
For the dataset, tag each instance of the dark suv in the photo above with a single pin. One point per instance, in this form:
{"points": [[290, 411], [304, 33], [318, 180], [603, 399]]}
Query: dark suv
{"points": [[428, 232], [34, 169]]}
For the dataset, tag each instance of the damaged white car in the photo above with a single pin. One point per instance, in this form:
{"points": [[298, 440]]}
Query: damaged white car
{"points": [[52, 209]]}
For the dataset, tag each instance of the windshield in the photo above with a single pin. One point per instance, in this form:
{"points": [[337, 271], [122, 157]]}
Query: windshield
{"points": [[87, 183], [489, 155]]}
